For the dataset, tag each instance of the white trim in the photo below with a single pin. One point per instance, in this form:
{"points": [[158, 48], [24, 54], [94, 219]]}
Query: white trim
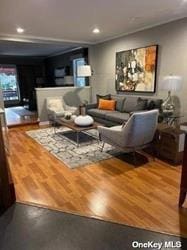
{"points": [[38, 39], [44, 123], [64, 52], [61, 88]]}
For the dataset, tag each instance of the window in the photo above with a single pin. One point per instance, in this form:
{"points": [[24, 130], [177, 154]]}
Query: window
{"points": [[78, 81], [8, 83]]}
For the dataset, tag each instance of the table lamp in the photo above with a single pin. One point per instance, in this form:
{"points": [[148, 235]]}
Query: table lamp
{"points": [[170, 83]]}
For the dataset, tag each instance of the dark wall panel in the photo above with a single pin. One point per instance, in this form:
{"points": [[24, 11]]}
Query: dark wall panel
{"points": [[63, 60]]}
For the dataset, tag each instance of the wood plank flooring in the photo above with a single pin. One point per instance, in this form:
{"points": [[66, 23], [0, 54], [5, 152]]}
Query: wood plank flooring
{"points": [[144, 197]]}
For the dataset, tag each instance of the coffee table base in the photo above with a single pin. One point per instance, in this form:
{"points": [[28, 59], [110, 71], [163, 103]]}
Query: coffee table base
{"points": [[79, 137]]}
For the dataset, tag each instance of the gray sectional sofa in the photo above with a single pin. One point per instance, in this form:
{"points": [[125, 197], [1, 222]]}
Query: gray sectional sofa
{"points": [[125, 106]]}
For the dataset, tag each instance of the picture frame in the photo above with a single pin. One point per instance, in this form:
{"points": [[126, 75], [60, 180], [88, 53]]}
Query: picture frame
{"points": [[136, 70]]}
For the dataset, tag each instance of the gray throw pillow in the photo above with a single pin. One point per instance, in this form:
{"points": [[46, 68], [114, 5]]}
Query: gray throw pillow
{"points": [[133, 104], [105, 97], [119, 102], [142, 104], [154, 104]]}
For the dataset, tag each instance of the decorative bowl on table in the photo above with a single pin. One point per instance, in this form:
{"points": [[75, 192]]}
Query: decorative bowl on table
{"points": [[83, 120], [68, 117]]}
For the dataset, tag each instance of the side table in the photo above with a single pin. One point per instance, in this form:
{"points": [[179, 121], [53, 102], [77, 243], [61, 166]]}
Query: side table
{"points": [[169, 143]]}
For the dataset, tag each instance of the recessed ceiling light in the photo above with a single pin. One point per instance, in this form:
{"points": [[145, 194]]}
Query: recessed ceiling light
{"points": [[96, 31], [20, 30]]}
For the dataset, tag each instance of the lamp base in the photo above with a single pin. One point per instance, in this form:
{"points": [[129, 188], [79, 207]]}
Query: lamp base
{"points": [[168, 104]]}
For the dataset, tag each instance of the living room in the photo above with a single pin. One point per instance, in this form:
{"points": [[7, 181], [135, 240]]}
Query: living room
{"points": [[59, 163]]}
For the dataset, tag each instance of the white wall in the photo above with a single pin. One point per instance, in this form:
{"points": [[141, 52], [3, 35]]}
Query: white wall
{"points": [[172, 57], [72, 96]]}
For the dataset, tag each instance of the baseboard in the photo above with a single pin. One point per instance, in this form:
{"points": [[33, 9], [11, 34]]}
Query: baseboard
{"points": [[13, 125], [44, 123]]}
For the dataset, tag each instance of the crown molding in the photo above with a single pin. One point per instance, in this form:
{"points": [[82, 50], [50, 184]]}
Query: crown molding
{"points": [[45, 40], [64, 52]]}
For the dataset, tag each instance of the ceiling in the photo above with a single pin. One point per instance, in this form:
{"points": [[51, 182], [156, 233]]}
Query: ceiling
{"points": [[70, 23]]}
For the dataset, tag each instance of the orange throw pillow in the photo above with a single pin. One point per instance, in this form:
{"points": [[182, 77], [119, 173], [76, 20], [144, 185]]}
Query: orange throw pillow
{"points": [[107, 104]]}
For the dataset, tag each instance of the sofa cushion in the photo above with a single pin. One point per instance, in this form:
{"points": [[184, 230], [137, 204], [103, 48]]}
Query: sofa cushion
{"points": [[141, 104], [119, 102], [98, 113], [132, 104], [116, 116], [105, 97]]}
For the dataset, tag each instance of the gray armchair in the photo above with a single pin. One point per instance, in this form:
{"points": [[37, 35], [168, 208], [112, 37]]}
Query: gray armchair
{"points": [[56, 107], [137, 133]]}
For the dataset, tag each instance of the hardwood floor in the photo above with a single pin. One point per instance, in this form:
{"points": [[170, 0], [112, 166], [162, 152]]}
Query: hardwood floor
{"points": [[144, 197]]}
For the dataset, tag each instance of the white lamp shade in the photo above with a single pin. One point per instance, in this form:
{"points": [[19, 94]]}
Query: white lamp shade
{"points": [[172, 83], [84, 70]]}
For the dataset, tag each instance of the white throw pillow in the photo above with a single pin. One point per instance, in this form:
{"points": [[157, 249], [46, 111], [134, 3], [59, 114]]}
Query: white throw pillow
{"points": [[55, 105]]}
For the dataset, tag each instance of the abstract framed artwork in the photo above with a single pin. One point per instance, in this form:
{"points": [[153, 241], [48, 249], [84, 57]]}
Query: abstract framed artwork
{"points": [[136, 70]]}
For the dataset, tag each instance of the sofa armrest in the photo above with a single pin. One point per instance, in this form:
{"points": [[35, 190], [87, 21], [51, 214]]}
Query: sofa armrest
{"points": [[91, 106]]}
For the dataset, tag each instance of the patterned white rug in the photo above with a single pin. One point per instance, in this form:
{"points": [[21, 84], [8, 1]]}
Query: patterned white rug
{"points": [[62, 145]]}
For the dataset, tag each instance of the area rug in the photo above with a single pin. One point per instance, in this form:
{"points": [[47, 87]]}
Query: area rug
{"points": [[62, 144]]}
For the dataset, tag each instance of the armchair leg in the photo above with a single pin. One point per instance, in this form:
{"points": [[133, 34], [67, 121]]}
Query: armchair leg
{"points": [[102, 147]]}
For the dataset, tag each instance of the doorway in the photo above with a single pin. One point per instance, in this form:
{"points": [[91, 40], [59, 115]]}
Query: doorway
{"points": [[9, 85]]}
